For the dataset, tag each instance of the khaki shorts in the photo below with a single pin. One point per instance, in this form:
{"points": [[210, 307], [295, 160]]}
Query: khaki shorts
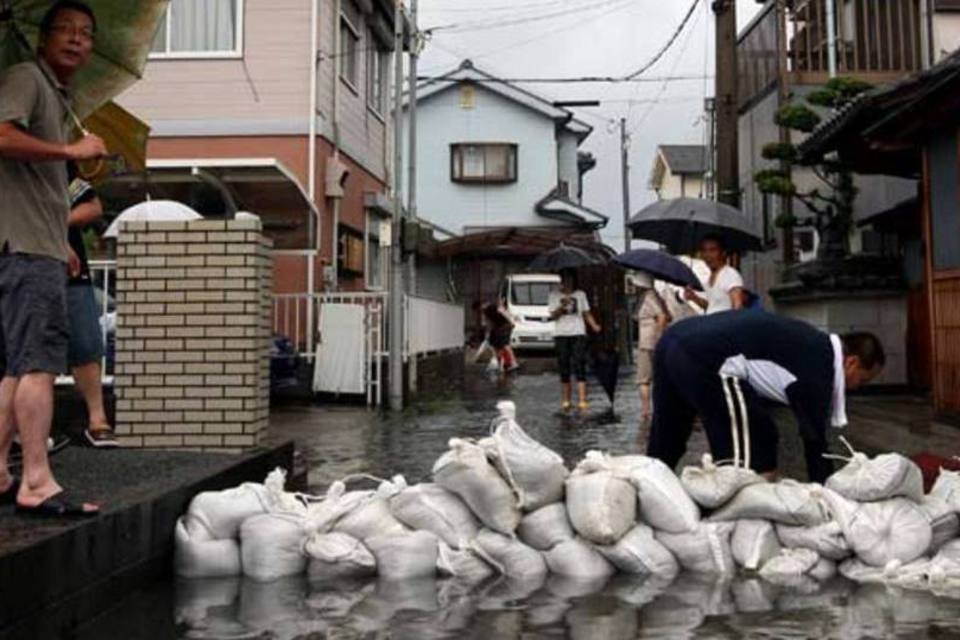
{"points": [[644, 361]]}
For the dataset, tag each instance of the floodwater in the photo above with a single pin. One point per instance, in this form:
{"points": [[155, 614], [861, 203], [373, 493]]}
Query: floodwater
{"points": [[338, 442]]}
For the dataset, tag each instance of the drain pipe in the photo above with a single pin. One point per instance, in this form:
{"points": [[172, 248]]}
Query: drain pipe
{"points": [[335, 61], [832, 38], [314, 223]]}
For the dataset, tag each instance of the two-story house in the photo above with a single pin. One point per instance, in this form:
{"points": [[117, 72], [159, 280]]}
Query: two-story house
{"points": [[278, 107], [679, 171], [786, 52], [497, 166]]}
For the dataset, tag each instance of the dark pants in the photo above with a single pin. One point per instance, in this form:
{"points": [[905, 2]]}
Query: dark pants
{"points": [[572, 357], [684, 388]]}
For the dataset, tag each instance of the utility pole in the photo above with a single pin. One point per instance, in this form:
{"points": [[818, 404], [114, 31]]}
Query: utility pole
{"points": [[709, 106], [728, 161], [412, 164], [625, 181], [396, 247]]}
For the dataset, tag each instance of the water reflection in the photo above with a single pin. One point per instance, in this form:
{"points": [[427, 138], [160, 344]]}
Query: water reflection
{"points": [[692, 606]]}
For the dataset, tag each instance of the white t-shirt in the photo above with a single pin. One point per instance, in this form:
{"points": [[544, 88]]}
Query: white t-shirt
{"points": [[718, 296], [571, 322]]}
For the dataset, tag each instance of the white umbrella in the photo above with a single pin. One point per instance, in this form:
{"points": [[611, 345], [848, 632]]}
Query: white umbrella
{"points": [[152, 211]]}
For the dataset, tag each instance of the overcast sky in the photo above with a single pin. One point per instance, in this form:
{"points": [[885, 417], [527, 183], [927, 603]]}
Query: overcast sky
{"points": [[592, 37]]}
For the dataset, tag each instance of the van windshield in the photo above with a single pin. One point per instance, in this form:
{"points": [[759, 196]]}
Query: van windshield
{"points": [[532, 294]]}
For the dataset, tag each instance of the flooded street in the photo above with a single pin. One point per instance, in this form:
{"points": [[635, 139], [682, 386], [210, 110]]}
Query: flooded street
{"points": [[340, 441]]}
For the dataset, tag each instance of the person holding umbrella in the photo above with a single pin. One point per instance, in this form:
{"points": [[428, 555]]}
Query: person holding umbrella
{"points": [[652, 321], [723, 290], [570, 309], [33, 250]]}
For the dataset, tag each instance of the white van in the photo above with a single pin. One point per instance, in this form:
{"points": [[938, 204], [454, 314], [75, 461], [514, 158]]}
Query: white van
{"points": [[525, 296]]}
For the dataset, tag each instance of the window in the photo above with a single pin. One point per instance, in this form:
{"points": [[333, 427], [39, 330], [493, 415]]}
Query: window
{"points": [[349, 47], [378, 65], [532, 294], [376, 256], [769, 223], [200, 29], [483, 163]]}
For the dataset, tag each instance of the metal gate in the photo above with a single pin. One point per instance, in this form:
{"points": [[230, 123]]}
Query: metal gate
{"points": [[350, 351]]}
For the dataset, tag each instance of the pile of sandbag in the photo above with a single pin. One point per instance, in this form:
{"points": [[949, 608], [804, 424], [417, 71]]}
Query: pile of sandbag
{"points": [[507, 505]]}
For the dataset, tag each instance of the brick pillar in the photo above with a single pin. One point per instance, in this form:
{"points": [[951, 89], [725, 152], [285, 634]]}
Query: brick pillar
{"points": [[193, 334]]}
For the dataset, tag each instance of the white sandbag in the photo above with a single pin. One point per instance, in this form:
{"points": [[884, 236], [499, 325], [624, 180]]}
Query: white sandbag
{"points": [[337, 555], [271, 546], [221, 513], [712, 485], [664, 503], [786, 501], [866, 479], [826, 539], [944, 522], [706, 549], [878, 532], [577, 559], [546, 527], [947, 488], [640, 553], [403, 556], [893, 573], [465, 471], [789, 563], [754, 542], [824, 570], [601, 506], [944, 568], [200, 556], [372, 516], [509, 556], [463, 564], [430, 507], [534, 472]]}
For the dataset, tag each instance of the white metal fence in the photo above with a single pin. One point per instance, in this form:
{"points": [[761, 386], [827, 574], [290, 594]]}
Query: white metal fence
{"points": [[431, 326]]}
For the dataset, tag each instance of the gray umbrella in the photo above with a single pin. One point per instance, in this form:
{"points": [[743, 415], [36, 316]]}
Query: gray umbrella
{"points": [[681, 223]]}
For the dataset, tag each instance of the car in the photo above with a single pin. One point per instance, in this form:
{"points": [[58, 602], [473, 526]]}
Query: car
{"points": [[525, 297]]}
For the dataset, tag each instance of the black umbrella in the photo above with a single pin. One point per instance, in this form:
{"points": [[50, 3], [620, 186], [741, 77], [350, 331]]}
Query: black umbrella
{"points": [[560, 258], [661, 266], [681, 224]]}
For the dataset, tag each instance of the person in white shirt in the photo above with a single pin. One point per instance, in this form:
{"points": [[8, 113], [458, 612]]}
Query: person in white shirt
{"points": [[652, 320], [723, 290], [570, 310]]}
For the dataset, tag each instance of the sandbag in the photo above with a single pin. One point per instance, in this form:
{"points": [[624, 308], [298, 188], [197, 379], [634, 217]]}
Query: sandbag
{"points": [[706, 549], [337, 555], [509, 556], [879, 532], [947, 488], [371, 515], [220, 513], [865, 479], [893, 573], [664, 504], [430, 507], [404, 556], [753, 543], [535, 473], [200, 556], [463, 564], [546, 527], [824, 570], [712, 485], [577, 559], [944, 568], [944, 522], [465, 471], [787, 502], [271, 546], [601, 506], [826, 539], [789, 563], [640, 553]]}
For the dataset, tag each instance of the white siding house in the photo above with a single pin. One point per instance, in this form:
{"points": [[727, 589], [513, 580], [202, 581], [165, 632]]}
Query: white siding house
{"points": [[493, 155]]}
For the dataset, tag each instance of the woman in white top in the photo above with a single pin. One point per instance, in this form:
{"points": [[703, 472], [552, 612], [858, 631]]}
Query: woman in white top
{"points": [[723, 290], [652, 319], [570, 309]]}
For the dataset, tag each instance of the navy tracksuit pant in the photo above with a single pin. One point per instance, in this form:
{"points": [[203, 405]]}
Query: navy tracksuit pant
{"points": [[683, 388]]}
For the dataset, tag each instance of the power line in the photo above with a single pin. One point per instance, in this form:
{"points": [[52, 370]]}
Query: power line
{"points": [[570, 80], [504, 7], [666, 47], [483, 25]]}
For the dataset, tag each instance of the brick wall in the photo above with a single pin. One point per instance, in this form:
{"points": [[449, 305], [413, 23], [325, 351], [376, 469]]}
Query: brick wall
{"points": [[193, 334]]}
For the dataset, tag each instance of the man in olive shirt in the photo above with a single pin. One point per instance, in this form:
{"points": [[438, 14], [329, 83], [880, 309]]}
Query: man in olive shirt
{"points": [[34, 211]]}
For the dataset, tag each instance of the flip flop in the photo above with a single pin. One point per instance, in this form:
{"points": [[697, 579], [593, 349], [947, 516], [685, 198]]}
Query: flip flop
{"points": [[10, 495], [57, 506]]}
